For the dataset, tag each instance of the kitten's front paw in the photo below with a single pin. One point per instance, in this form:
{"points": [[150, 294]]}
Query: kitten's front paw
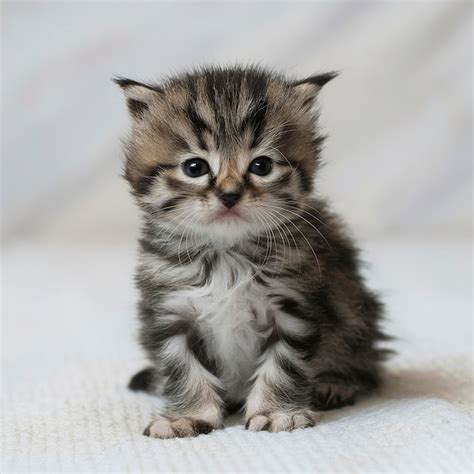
{"points": [[165, 428], [282, 420]]}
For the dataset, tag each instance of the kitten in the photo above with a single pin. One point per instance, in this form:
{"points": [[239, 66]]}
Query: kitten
{"points": [[251, 293]]}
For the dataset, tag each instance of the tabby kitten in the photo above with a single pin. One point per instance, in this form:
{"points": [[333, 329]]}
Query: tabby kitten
{"points": [[251, 294]]}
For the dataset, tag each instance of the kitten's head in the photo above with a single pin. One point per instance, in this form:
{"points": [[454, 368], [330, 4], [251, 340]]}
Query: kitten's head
{"points": [[223, 150]]}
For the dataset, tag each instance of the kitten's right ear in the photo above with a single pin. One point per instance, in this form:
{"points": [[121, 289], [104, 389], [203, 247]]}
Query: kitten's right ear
{"points": [[139, 96]]}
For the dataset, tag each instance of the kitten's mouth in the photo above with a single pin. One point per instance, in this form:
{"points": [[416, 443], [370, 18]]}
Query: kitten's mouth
{"points": [[227, 215]]}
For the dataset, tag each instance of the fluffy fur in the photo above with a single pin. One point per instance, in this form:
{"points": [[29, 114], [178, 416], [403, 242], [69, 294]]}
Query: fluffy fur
{"points": [[256, 304]]}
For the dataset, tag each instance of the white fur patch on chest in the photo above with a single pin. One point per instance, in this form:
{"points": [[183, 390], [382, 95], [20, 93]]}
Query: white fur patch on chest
{"points": [[232, 312]]}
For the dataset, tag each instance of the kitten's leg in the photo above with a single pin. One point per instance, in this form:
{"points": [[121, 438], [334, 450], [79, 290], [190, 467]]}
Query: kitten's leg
{"points": [[280, 398], [330, 395], [348, 362], [194, 402], [336, 389]]}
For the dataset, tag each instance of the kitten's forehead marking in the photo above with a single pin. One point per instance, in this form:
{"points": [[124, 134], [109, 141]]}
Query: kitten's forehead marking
{"points": [[228, 106]]}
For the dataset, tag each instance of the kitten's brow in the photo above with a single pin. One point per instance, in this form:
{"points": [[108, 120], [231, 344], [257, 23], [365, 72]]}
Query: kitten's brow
{"points": [[199, 126]]}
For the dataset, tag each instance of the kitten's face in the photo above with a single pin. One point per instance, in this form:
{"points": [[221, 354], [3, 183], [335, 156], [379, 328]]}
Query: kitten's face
{"points": [[222, 152]]}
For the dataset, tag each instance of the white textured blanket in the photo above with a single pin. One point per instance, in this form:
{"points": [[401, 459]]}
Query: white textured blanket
{"points": [[69, 351]]}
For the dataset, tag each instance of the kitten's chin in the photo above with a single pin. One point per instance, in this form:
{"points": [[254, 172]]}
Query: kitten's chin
{"points": [[228, 227], [227, 216]]}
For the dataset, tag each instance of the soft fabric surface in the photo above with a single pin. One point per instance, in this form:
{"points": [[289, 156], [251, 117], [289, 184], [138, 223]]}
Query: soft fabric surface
{"points": [[70, 350]]}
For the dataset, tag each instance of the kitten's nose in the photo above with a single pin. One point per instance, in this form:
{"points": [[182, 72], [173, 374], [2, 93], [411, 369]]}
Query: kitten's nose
{"points": [[229, 199]]}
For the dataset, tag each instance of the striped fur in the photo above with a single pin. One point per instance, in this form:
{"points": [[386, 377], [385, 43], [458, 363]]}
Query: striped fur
{"points": [[262, 306]]}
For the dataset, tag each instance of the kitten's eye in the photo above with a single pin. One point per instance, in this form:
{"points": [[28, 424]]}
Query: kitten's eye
{"points": [[195, 167], [261, 166]]}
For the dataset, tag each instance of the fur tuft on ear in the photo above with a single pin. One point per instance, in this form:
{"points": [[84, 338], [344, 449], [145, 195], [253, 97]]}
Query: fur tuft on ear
{"points": [[138, 95], [310, 87]]}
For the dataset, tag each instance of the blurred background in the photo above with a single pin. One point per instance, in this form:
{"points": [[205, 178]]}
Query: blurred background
{"points": [[398, 168], [398, 158], [399, 117]]}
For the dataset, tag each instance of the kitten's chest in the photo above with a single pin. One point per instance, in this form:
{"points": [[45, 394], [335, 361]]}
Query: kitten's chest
{"points": [[231, 312], [231, 294]]}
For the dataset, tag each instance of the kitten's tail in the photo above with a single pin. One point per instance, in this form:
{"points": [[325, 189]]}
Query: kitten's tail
{"points": [[145, 380]]}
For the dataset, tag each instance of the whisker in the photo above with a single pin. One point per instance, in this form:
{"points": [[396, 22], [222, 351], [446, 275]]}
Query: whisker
{"points": [[282, 223], [296, 206], [283, 259], [184, 234], [307, 241], [259, 267], [307, 221]]}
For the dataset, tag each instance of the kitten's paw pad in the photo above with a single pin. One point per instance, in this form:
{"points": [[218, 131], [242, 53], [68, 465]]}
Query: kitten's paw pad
{"points": [[282, 421], [164, 428]]}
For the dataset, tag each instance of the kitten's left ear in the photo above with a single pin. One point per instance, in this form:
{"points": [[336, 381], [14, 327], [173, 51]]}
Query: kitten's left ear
{"points": [[310, 87], [139, 96]]}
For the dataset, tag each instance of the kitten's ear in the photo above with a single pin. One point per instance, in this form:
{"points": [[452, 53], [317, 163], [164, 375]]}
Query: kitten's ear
{"points": [[139, 96], [310, 87]]}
